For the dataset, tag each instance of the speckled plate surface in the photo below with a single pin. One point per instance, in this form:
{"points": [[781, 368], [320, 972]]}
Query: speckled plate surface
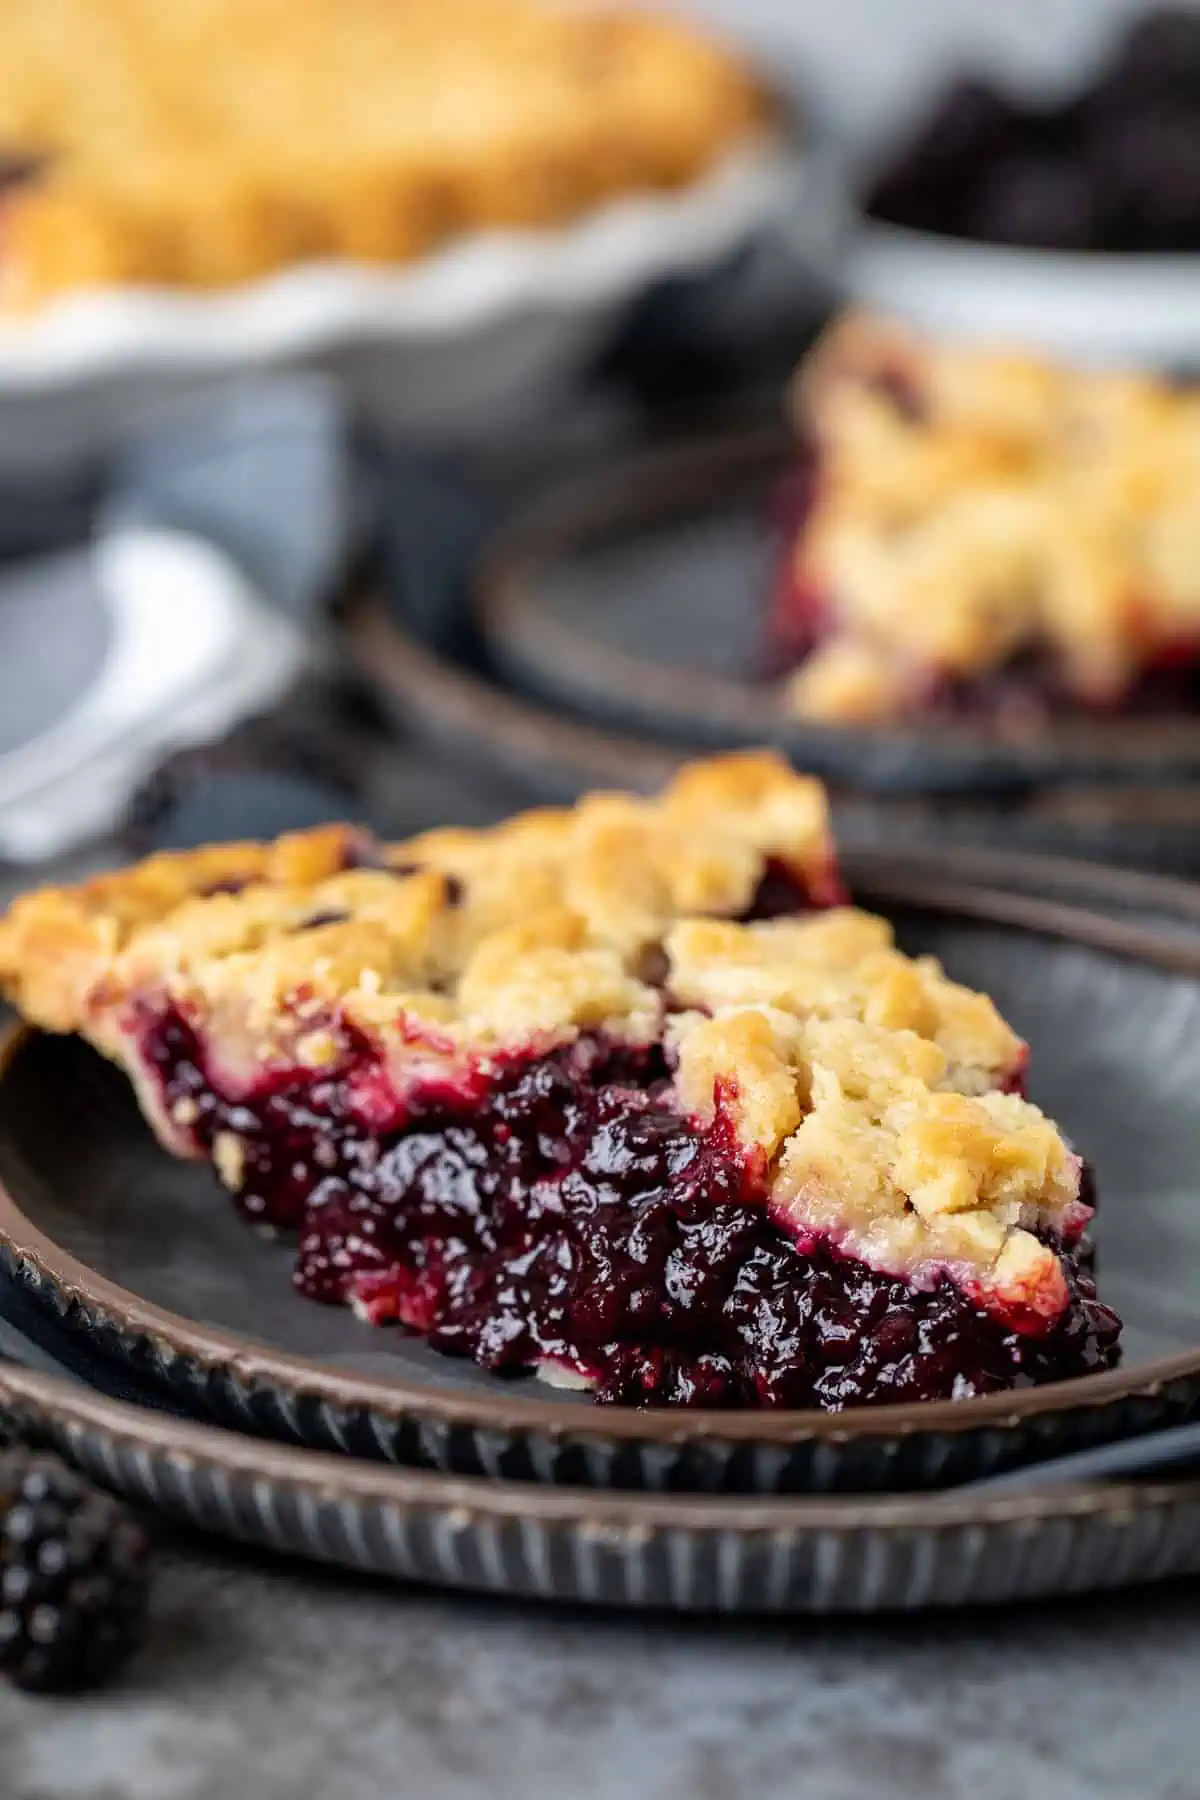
{"points": [[698, 1553], [637, 596], [146, 1257]]}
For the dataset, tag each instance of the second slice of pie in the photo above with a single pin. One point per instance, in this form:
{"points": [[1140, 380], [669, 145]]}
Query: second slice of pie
{"points": [[621, 1093], [978, 532]]}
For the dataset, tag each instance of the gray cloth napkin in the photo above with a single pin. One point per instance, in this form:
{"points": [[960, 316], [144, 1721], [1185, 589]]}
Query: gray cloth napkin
{"points": [[264, 473], [217, 535]]}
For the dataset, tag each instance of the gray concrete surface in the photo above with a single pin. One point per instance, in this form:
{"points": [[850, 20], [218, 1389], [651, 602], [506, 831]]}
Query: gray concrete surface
{"points": [[276, 1682]]}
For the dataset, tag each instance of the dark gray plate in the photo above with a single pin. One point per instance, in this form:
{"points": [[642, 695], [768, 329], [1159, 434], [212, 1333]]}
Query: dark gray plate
{"points": [[637, 596], [146, 1257], [723, 1554]]}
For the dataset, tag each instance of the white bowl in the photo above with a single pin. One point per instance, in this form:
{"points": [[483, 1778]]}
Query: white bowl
{"points": [[473, 333], [1087, 306]]}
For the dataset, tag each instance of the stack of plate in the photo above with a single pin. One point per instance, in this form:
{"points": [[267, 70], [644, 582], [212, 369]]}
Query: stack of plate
{"points": [[298, 1427]]}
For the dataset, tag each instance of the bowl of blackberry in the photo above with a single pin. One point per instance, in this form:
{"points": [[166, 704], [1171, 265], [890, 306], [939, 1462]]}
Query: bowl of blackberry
{"points": [[1068, 219]]}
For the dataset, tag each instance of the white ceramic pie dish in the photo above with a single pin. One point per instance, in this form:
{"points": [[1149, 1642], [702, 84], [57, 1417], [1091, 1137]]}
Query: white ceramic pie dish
{"points": [[1088, 306], [484, 328]]}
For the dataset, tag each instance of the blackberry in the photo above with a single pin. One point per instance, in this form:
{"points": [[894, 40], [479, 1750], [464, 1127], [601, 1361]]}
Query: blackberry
{"points": [[74, 1571]]}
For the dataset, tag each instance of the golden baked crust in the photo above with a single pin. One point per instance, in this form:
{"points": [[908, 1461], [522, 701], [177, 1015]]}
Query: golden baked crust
{"points": [[204, 142], [865, 1088], [975, 507], [451, 916]]}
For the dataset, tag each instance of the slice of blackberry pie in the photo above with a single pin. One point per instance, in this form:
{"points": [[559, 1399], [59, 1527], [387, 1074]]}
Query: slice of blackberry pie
{"points": [[977, 532], [623, 1094]]}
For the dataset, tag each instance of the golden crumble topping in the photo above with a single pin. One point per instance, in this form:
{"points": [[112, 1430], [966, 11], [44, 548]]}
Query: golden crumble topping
{"points": [[864, 1085], [204, 142], [974, 505], [868, 1141], [453, 917], [908, 1177], [842, 964]]}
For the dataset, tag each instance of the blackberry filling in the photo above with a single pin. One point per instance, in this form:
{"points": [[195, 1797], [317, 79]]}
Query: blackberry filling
{"points": [[20, 169], [798, 616], [560, 1212]]}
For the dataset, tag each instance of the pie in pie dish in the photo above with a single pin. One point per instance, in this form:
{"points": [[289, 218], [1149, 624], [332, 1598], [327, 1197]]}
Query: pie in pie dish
{"points": [[202, 143], [625, 1094], [975, 529]]}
